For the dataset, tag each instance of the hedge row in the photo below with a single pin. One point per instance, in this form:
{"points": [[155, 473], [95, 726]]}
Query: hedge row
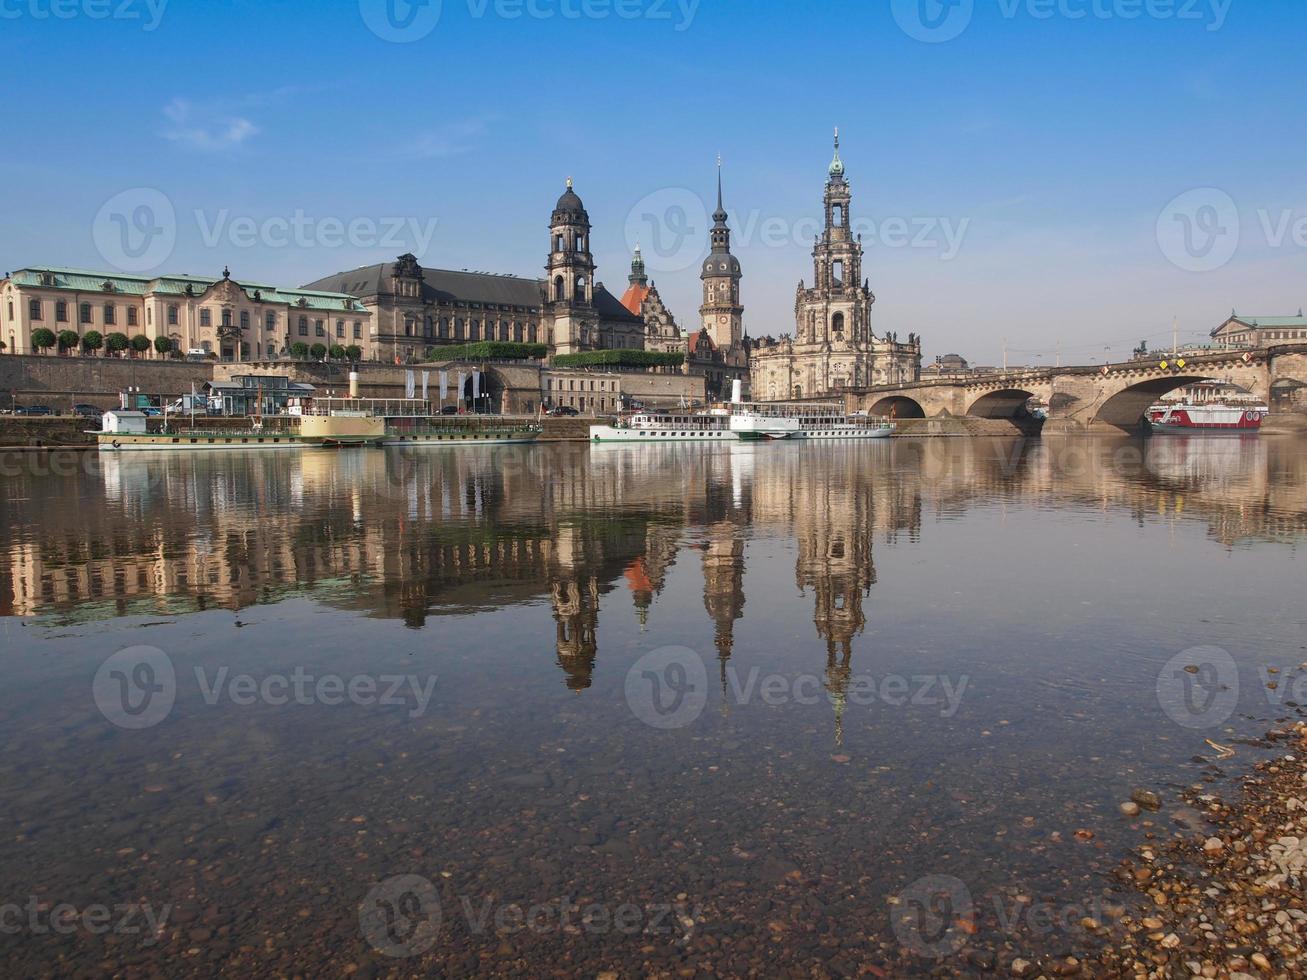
{"points": [[488, 350], [620, 358]]}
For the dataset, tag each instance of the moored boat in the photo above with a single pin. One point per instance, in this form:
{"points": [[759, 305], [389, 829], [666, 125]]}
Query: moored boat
{"points": [[125, 431], [1212, 417]]}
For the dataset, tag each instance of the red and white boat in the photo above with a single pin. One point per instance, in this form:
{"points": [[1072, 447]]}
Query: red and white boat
{"points": [[1189, 418]]}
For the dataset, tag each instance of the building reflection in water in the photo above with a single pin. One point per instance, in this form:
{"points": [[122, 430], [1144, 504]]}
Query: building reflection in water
{"points": [[414, 536]]}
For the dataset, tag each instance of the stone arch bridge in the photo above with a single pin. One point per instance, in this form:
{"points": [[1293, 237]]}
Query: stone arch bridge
{"points": [[1084, 397]]}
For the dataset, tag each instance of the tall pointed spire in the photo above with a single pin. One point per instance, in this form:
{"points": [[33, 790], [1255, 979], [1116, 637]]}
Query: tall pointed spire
{"points": [[719, 216], [837, 165]]}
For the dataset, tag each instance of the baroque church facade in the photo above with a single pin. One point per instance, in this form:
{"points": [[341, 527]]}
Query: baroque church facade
{"points": [[833, 346]]}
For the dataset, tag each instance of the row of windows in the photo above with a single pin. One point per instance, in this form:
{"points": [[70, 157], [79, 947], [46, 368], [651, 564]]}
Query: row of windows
{"points": [[85, 313], [320, 328], [570, 384], [471, 330], [36, 311]]}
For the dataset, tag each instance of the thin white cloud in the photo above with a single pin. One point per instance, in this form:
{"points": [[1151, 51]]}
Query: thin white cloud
{"points": [[449, 140], [206, 129]]}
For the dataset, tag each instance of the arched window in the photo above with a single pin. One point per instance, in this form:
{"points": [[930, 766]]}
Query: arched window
{"points": [[172, 316], [558, 243], [837, 273], [580, 287], [837, 323], [837, 215], [558, 290]]}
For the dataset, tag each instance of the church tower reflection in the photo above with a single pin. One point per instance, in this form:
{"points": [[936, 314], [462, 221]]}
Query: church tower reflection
{"points": [[723, 587], [833, 530]]}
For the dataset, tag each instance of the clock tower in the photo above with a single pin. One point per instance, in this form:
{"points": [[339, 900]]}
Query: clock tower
{"points": [[721, 314]]}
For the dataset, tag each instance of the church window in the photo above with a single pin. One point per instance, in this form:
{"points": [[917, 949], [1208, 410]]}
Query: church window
{"points": [[474, 330], [131, 316], [206, 318], [837, 272], [172, 316], [837, 215], [458, 329], [558, 243], [558, 288]]}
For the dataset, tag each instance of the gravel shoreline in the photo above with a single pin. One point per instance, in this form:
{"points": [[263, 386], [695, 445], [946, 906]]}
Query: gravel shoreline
{"points": [[1227, 900]]}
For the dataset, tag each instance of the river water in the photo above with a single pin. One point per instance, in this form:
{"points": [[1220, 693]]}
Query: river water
{"points": [[789, 709]]}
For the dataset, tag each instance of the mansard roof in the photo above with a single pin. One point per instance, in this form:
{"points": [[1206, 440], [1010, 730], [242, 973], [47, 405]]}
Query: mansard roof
{"points": [[446, 287], [90, 281]]}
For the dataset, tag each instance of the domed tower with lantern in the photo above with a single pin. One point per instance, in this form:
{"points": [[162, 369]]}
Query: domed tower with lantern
{"points": [[569, 283]]}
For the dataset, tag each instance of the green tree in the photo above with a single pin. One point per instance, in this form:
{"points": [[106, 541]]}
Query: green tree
{"points": [[68, 340], [92, 341], [140, 343], [115, 343], [300, 349], [163, 346], [319, 351], [354, 352], [43, 339], [337, 352]]}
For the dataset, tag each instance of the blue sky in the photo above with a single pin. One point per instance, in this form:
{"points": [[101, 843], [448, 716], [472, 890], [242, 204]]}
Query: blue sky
{"points": [[1016, 181]]}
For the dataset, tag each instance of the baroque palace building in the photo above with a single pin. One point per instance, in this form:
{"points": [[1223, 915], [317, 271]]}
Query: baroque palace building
{"points": [[232, 320], [833, 346], [416, 308]]}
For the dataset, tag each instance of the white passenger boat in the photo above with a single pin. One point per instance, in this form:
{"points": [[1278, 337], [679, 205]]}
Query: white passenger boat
{"points": [[672, 427], [822, 421]]}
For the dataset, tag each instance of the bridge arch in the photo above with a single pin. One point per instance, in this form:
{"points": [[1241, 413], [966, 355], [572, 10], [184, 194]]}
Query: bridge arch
{"points": [[1006, 403], [898, 407], [1126, 408]]}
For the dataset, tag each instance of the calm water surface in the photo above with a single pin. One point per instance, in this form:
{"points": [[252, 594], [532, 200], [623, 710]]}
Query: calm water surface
{"points": [[394, 712]]}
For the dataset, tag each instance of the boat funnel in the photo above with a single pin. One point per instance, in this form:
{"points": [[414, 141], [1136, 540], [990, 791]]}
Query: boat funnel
{"points": [[353, 384], [737, 391]]}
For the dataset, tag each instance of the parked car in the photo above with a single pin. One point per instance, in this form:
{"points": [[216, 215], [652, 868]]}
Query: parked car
{"points": [[33, 410], [560, 410], [449, 410], [150, 411], [87, 411]]}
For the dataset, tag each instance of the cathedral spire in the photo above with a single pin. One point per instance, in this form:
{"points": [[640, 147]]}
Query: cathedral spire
{"points": [[638, 276], [837, 165]]}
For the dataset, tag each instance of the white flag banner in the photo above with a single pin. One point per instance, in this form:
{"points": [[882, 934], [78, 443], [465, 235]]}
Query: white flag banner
{"points": [[409, 384], [444, 385], [476, 386], [462, 379], [426, 381]]}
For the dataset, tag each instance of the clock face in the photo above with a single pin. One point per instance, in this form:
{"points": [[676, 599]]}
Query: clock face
{"points": [[721, 319]]}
